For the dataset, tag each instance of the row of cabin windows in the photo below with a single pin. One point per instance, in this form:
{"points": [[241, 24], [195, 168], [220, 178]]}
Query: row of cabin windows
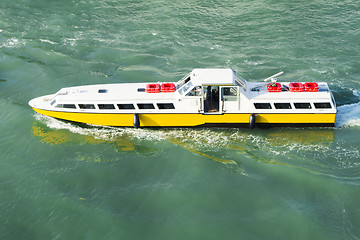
{"points": [[120, 106], [320, 105]]}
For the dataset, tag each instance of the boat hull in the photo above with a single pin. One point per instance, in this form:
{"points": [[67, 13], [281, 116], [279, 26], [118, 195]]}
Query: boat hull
{"points": [[195, 119]]}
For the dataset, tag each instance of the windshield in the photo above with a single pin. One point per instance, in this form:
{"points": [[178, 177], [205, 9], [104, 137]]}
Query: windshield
{"points": [[183, 81], [188, 86]]}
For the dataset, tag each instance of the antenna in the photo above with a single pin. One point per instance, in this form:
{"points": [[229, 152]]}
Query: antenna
{"points": [[273, 76]]}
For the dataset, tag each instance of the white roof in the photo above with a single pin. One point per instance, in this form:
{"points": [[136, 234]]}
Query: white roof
{"points": [[129, 91], [117, 91], [213, 76], [263, 94]]}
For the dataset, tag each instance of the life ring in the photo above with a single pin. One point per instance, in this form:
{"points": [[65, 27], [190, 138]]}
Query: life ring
{"points": [[136, 121], [252, 119]]}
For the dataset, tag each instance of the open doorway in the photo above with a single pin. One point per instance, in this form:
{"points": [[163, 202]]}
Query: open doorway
{"points": [[211, 99]]}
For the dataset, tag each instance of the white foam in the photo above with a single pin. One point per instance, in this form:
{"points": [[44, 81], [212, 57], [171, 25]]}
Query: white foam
{"points": [[348, 115], [213, 143], [12, 43], [319, 71], [197, 138], [356, 93], [215, 47], [47, 41], [70, 41], [254, 63]]}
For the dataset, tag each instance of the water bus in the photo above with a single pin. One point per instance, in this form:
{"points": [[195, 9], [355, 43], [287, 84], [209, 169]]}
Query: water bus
{"points": [[203, 98]]}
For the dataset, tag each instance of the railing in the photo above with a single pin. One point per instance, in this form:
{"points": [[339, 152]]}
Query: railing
{"points": [[240, 81]]}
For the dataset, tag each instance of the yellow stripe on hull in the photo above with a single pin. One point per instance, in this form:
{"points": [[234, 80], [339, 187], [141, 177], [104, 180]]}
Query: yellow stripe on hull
{"points": [[187, 120], [296, 118]]}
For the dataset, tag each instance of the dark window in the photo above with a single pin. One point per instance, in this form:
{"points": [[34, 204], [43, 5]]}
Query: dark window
{"points": [[87, 106], [322, 105], [125, 106], [106, 106], [262, 105], [141, 89], [302, 105], [282, 105], [53, 102], [102, 91], [66, 106], [69, 106], [165, 106], [146, 106]]}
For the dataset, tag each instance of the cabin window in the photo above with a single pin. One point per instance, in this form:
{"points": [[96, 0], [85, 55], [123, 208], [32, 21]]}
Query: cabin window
{"points": [[62, 93], [322, 105], [196, 91], [102, 91], [106, 106], [302, 105], [282, 105], [229, 91], [66, 106], [165, 106], [186, 87], [141, 90], [53, 102], [125, 106], [262, 105], [69, 106], [146, 106], [87, 106]]}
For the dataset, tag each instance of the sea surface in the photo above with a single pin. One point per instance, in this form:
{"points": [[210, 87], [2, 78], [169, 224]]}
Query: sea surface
{"points": [[64, 181]]}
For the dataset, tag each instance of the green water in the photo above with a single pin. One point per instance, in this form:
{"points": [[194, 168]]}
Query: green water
{"points": [[63, 181]]}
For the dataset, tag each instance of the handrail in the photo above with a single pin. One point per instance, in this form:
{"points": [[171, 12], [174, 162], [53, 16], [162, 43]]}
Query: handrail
{"points": [[240, 81], [273, 76]]}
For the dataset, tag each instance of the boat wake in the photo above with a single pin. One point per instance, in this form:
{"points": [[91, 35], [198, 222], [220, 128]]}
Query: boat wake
{"points": [[313, 150], [348, 115], [202, 142], [210, 141], [204, 138]]}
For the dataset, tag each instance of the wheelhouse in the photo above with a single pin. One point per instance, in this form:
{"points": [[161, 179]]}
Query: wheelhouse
{"points": [[215, 90]]}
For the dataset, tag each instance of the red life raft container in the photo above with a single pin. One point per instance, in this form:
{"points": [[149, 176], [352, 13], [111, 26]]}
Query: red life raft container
{"points": [[153, 88], [311, 87], [274, 87], [168, 87], [296, 87]]}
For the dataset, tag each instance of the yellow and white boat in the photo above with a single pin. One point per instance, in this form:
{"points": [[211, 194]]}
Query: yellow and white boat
{"points": [[204, 97]]}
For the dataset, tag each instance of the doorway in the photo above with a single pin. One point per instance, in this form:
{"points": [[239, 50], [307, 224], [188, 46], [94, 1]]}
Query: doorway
{"points": [[211, 99]]}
